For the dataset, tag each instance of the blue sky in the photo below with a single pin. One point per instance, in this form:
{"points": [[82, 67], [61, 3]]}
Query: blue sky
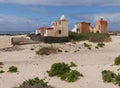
{"points": [[27, 15]]}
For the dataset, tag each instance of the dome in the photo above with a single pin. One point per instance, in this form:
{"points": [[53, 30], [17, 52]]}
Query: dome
{"points": [[62, 17]]}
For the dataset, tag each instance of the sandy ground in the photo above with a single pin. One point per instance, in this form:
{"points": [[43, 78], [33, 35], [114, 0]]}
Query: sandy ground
{"points": [[90, 63]]}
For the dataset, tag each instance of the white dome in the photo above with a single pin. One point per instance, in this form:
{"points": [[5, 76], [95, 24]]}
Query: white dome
{"points": [[62, 17]]}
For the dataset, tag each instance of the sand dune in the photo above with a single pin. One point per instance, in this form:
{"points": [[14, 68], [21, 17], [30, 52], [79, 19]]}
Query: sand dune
{"points": [[90, 63]]}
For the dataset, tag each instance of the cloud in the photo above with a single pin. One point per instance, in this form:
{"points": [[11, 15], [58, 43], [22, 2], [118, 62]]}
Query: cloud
{"points": [[9, 23], [65, 2], [112, 18]]}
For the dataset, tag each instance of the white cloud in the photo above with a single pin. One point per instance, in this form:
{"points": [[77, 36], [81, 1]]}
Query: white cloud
{"points": [[65, 2], [17, 23], [111, 17]]}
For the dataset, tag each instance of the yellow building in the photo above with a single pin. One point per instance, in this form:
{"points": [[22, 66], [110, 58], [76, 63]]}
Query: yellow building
{"points": [[59, 28]]}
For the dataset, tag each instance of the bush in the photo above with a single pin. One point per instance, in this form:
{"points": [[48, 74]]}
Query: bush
{"points": [[117, 60], [63, 71], [46, 51], [78, 37], [99, 37], [108, 76], [117, 79], [92, 37], [34, 83], [71, 76], [97, 47], [72, 64], [13, 69], [32, 49], [86, 45], [59, 69], [101, 44], [1, 71]]}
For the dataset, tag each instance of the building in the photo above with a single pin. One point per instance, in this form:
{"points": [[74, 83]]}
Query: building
{"points": [[82, 27], [100, 27], [58, 28]]}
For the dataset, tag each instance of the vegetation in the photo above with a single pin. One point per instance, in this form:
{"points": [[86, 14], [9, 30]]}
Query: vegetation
{"points": [[59, 69], [92, 37], [32, 49], [64, 71], [109, 76], [71, 76], [117, 60], [87, 45], [34, 83], [72, 64], [101, 44], [97, 47], [1, 71], [13, 69], [46, 51]]}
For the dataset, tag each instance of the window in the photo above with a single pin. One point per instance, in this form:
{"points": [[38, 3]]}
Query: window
{"points": [[59, 22], [59, 31], [56, 23], [99, 27]]}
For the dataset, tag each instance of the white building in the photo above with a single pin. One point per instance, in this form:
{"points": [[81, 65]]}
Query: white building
{"points": [[59, 28]]}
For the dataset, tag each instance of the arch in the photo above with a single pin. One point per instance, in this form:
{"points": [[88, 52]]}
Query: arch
{"points": [[97, 32]]}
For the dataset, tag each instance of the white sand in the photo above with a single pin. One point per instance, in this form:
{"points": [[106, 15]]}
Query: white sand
{"points": [[90, 63]]}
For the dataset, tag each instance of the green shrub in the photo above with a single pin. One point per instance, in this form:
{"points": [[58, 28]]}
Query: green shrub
{"points": [[99, 37], [71, 76], [59, 69], [97, 47], [108, 76], [34, 83], [92, 37], [63, 71], [117, 60], [117, 79], [86, 45], [32, 49], [78, 37], [1, 71], [13, 69], [101, 44], [72, 64], [89, 48], [46, 51]]}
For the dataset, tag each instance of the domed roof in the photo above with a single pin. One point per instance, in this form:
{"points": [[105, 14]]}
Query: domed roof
{"points": [[62, 17]]}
